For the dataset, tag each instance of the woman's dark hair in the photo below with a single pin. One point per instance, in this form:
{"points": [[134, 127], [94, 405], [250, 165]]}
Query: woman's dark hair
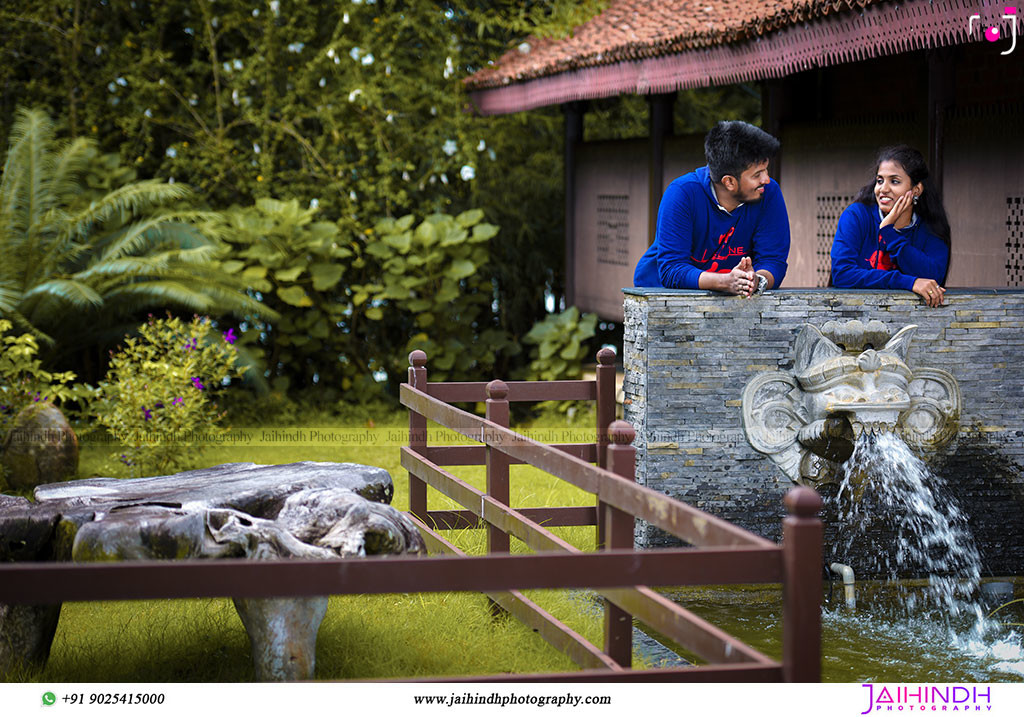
{"points": [[732, 146], [929, 206]]}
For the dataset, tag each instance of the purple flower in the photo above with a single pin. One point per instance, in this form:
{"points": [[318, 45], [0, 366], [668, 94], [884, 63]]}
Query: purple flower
{"points": [[197, 383], [230, 337], [158, 405], [177, 400], [146, 413], [191, 345]]}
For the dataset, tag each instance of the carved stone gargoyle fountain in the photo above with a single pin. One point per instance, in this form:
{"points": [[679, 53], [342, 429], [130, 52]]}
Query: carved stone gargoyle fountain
{"points": [[808, 420]]}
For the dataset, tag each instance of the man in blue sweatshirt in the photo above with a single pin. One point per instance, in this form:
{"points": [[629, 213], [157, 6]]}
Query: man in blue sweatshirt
{"points": [[722, 227]]}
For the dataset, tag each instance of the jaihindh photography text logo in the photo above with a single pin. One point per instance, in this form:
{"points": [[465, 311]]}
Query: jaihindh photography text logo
{"points": [[927, 698]]}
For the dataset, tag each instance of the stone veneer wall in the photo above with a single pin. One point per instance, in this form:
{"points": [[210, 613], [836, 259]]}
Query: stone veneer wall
{"points": [[688, 355]]}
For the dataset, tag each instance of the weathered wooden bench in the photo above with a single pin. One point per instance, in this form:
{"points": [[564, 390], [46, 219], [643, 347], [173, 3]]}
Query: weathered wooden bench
{"points": [[303, 511]]}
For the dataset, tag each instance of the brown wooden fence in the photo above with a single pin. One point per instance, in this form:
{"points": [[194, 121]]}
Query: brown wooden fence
{"points": [[722, 554]]}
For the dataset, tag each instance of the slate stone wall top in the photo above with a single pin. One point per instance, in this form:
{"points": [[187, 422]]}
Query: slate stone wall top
{"points": [[688, 355]]}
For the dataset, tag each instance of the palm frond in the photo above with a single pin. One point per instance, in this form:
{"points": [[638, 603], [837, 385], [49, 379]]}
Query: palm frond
{"points": [[65, 291], [148, 294], [12, 266], [120, 270], [223, 294], [22, 324], [10, 297], [189, 266], [173, 228], [238, 304], [126, 201], [31, 136], [200, 256], [69, 166], [36, 162]]}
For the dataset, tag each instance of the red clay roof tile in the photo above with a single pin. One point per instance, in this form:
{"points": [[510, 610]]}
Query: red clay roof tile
{"points": [[638, 29]]}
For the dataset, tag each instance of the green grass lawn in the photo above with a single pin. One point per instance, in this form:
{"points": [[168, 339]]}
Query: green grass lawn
{"points": [[362, 636]]}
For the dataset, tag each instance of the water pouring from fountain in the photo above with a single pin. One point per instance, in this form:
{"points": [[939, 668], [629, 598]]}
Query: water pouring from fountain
{"points": [[857, 423]]}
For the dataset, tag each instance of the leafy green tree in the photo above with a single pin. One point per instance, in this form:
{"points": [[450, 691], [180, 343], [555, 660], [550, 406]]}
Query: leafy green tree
{"points": [[356, 108], [74, 269]]}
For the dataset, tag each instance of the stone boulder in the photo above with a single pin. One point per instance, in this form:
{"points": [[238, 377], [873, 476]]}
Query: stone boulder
{"points": [[40, 447]]}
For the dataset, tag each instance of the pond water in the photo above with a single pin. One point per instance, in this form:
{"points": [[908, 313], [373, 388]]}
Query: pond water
{"points": [[876, 641], [896, 518]]}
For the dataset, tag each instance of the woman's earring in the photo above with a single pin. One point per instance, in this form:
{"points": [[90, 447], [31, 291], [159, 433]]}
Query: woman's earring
{"points": [[915, 200]]}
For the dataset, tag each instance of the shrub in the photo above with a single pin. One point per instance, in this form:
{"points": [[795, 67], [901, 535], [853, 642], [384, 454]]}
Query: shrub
{"points": [[434, 288], [158, 394], [561, 345], [352, 307], [23, 381], [296, 266]]}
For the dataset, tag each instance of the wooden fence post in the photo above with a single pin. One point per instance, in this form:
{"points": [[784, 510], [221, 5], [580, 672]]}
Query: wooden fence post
{"points": [[801, 588], [618, 624], [418, 435], [605, 415], [497, 472], [497, 462]]}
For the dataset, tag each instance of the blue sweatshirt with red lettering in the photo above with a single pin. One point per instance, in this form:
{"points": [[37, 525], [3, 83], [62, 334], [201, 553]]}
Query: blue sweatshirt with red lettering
{"points": [[696, 234], [865, 256]]}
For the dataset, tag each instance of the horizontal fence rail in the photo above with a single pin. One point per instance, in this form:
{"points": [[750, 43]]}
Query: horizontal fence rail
{"points": [[41, 583], [476, 392]]}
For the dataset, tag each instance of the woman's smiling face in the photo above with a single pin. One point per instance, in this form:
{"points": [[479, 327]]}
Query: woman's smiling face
{"points": [[891, 183]]}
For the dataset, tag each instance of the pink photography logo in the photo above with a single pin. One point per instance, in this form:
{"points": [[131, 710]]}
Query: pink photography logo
{"points": [[992, 33], [928, 698]]}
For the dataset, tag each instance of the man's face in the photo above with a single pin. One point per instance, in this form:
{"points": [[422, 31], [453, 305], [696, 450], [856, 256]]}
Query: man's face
{"points": [[751, 183]]}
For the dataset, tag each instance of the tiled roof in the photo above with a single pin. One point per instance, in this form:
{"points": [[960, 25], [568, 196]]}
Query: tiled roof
{"points": [[638, 29], [654, 46]]}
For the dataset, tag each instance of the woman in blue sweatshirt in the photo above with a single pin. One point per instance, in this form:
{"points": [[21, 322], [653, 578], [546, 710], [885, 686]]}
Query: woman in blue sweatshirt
{"points": [[895, 235]]}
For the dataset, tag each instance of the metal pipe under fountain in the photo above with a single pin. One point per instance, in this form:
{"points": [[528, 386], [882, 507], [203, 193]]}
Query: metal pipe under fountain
{"points": [[849, 583]]}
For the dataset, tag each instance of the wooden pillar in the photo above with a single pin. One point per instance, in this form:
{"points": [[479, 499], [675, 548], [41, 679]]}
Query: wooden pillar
{"points": [[574, 112], [771, 120], [941, 83], [618, 624], [417, 435], [801, 589], [659, 125], [605, 416]]}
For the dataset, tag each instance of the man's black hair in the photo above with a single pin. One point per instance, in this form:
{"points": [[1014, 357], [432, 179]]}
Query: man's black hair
{"points": [[733, 146]]}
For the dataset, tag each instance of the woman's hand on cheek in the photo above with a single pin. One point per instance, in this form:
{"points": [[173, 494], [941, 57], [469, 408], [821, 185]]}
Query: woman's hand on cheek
{"points": [[901, 205]]}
